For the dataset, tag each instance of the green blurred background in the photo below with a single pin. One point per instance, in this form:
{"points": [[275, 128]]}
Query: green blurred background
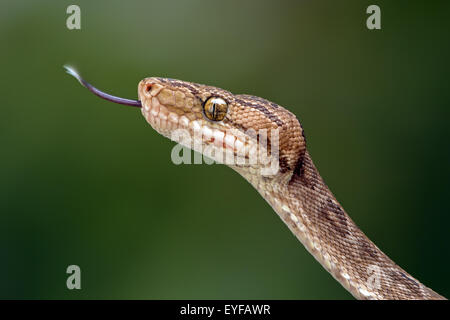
{"points": [[87, 182]]}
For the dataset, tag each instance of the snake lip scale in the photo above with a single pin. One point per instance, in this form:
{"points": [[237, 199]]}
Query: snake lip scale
{"points": [[296, 191]]}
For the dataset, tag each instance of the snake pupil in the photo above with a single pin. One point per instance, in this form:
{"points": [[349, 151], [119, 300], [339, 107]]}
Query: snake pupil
{"points": [[215, 109]]}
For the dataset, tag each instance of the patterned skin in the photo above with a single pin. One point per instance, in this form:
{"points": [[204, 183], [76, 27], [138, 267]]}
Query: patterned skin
{"points": [[293, 187]]}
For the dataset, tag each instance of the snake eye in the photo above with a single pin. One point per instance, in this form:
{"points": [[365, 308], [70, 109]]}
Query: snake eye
{"points": [[215, 109]]}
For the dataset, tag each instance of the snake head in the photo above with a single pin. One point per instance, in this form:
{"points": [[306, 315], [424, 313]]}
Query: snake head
{"points": [[242, 131]]}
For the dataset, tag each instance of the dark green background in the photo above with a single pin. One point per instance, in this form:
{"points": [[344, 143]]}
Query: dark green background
{"points": [[87, 182]]}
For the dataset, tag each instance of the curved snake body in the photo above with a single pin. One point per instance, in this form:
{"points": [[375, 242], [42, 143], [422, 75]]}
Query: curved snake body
{"points": [[295, 190]]}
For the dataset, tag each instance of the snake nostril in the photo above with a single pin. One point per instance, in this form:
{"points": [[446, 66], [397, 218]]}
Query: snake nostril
{"points": [[148, 88]]}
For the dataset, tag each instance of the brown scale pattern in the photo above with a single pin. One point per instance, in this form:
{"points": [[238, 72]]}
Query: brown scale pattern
{"points": [[341, 238]]}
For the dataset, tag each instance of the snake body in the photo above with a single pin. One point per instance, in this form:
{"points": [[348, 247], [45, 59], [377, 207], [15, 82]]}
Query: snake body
{"points": [[295, 190]]}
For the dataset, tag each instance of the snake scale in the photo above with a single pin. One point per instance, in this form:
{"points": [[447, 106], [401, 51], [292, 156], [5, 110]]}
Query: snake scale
{"points": [[221, 121]]}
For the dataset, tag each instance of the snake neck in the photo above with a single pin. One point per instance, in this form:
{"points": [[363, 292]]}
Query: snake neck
{"points": [[315, 217]]}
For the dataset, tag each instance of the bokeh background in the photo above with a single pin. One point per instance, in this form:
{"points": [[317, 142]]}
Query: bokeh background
{"points": [[87, 182]]}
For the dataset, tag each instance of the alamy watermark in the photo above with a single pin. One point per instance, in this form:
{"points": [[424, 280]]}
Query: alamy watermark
{"points": [[74, 280], [373, 22], [73, 21], [250, 148], [374, 279]]}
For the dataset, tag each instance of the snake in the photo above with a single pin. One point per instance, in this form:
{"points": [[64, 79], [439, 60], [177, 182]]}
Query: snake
{"points": [[218, 121]]}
